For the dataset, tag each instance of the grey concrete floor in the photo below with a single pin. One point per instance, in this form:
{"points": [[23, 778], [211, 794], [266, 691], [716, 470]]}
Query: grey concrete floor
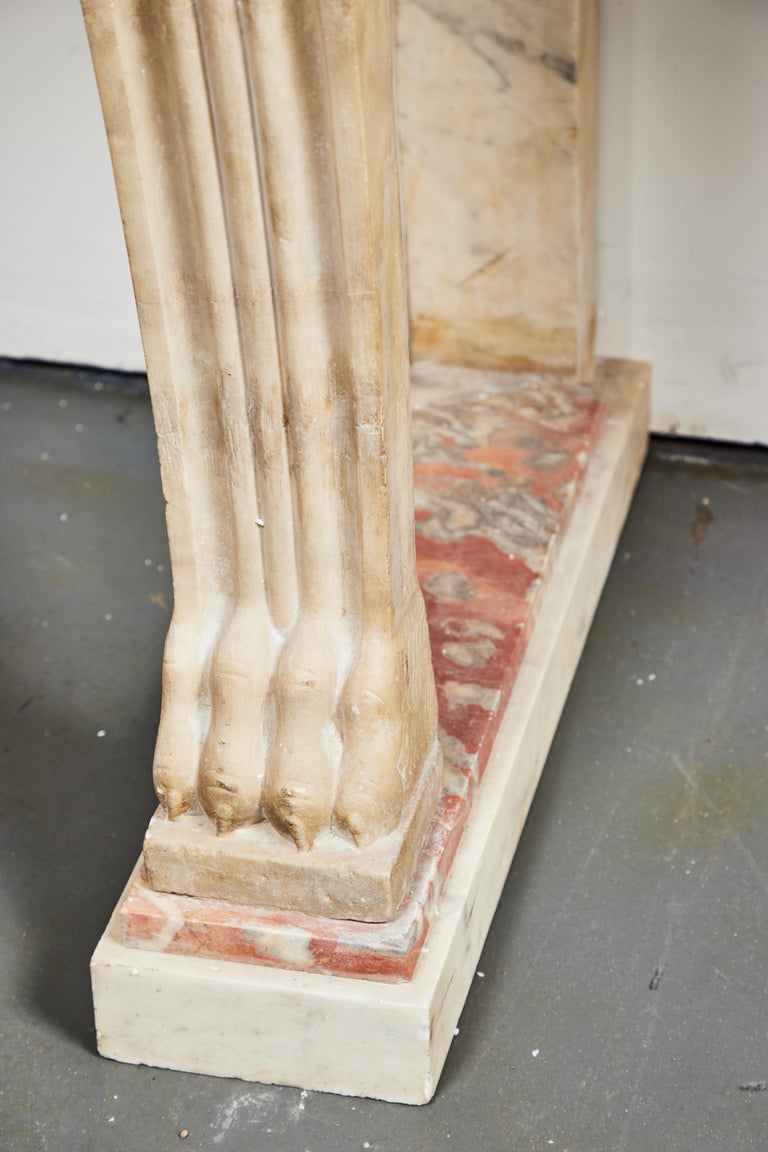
{"points": [[620, 1003]]}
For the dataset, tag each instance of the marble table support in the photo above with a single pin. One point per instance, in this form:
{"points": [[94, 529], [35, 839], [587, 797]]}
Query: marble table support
{"points": [[373, 1037], [255, 155], [365, 664]]}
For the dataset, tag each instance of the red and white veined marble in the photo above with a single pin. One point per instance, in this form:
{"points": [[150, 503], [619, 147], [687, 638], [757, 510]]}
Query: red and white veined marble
{"points": [[499, 463]]}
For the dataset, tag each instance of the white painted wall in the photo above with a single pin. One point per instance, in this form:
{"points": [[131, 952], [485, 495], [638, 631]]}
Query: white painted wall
{"points": [[683, 226], [65, 290]]}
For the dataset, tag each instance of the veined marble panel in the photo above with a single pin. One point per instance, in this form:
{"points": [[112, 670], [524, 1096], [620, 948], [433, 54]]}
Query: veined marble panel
{"points": [[497, 124]]}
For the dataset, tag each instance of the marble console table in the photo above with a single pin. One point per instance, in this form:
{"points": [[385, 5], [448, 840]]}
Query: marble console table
{"points": [[383, 572]]}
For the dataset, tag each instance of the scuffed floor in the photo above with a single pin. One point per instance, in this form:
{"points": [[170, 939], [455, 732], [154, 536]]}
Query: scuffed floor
{"points": [[620, 1001]]}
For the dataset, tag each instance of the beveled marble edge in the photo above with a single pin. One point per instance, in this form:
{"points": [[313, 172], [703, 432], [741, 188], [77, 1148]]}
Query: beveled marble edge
{"points": [[502, 801], [389, 1041], [160, 921], [190, 855]]}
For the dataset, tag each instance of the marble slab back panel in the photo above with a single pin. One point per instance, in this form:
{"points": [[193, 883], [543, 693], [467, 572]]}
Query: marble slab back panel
{"points": [[497, 125]]}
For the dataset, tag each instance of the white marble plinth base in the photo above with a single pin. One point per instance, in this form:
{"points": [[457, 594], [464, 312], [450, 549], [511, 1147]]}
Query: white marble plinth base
{"points": [[360, 1037]]}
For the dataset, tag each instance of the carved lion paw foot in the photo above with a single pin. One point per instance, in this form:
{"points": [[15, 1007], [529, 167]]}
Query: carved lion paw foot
{"points": [[231, 766], [302, 763], [388, 723]]}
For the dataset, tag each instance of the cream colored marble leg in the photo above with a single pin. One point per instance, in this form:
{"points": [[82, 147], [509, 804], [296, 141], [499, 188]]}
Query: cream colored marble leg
{"points": [[153, 89], [393, 674], [294, 123], [256, 160], [241, 665]]}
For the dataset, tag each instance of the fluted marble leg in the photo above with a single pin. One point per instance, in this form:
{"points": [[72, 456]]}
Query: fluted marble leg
{"points": [[297, 762], [255, 157]]}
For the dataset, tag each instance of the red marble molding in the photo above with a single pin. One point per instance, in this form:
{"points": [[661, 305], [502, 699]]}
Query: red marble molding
{"points": [[499, 463]]}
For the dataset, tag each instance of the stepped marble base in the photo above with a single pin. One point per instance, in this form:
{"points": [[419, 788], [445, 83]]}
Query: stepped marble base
{"points": [[570, 452]]}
